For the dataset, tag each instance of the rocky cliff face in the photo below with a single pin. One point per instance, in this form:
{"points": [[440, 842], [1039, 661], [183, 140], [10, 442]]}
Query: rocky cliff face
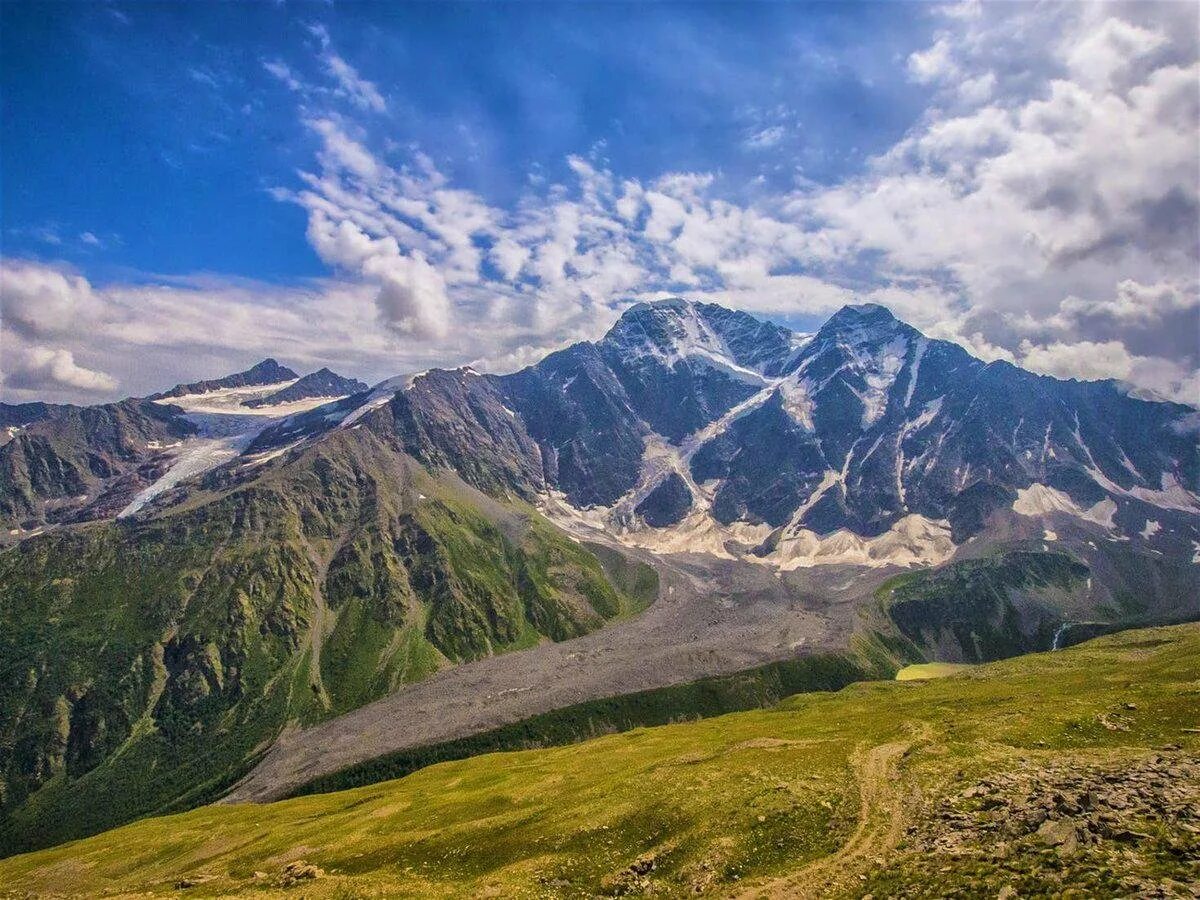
{"points": [[70, 458]]}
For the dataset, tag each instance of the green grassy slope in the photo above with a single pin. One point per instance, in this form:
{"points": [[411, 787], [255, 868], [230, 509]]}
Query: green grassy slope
{"points": [[891, 788], [144, 666]]}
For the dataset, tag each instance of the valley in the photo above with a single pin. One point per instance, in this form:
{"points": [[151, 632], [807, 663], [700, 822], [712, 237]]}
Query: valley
{"points": [[266, 589], [1066, 770]]}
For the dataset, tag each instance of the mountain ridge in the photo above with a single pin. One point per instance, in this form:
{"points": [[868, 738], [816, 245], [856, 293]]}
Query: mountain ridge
{"points": [[447, 530], [266, 372]]}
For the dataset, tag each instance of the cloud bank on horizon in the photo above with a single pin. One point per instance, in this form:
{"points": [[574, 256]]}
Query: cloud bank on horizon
{"points": [[1042, 206]]}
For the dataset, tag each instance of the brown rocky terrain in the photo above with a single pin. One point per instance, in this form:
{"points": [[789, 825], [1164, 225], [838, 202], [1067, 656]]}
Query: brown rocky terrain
{"points": [[1060, 827]]}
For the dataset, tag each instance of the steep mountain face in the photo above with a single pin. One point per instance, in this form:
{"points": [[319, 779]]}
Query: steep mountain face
{"points": [[872, 423], [72, 462], [321, 383], [578, 421], [698, 428], [867, 432], [179, 643], [14, 416], [266, 372]]}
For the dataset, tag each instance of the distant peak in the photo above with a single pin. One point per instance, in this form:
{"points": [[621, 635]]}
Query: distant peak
{"points": [[267, 364], [864, 321], [652, 306], [860, 312]]}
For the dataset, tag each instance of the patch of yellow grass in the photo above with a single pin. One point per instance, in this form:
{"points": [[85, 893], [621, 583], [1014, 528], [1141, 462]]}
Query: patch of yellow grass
{"points": [[925, 671]]}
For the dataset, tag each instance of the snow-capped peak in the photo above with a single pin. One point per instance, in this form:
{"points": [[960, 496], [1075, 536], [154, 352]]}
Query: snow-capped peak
{"points": [[673, 330]]}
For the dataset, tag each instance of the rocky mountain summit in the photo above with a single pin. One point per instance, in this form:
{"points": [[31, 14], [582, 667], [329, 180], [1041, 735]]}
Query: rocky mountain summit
{"points": [[321, 383], [266, 372], [701, 428]]}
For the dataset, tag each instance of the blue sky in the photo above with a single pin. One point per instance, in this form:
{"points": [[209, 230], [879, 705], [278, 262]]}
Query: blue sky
{"points": [[172, 104], [382, 187]]}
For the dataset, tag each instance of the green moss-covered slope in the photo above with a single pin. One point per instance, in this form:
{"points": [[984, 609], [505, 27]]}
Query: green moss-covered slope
{"points": [[147, 665], [938, 788]]}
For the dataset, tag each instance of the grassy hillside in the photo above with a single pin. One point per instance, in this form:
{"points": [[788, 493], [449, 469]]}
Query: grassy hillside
{"points": [[144, 666], [1077, 768]]}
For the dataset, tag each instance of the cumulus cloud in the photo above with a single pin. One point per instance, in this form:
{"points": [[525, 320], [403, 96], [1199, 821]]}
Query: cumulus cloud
{"points": [[136, 338], [49, 369], [1048, 199], [1090, 360], [1044, 210], [40, 301], [935, 63]]}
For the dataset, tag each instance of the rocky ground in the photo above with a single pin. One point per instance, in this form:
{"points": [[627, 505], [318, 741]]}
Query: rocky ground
{"points": [[712, 617], [1127, 827]]}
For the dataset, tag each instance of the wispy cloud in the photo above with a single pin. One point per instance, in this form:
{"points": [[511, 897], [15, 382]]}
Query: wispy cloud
{"points": [[764, 138], [1042, 210], [362, 93]]}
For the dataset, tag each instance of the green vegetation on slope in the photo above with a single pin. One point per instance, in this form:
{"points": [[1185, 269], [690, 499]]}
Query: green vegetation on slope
{"points": [[752, 689], [146, 665], [925, 671], [983, 609], [826, 794]]}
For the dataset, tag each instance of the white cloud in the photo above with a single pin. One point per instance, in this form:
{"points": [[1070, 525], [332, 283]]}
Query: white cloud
{"points": [[765, 138], [935, 63], [1101, 56], [362, 93], [39, 301], [344, 152], [1090, 360], [50, 369], [283, 72], [1042, 211]]}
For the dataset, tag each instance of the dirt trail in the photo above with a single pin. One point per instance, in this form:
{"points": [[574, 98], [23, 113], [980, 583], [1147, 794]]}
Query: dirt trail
{"points": [[880, 827]]}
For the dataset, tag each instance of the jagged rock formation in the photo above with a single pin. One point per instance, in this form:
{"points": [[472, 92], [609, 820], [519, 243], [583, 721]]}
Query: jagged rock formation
{"points": [[666, 504], [266, 372], [70, 458], [321, 383]]}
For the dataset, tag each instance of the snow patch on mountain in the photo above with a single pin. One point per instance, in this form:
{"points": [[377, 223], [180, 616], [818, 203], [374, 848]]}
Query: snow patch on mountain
{"points": [[194, 457], [797, 401], [674, 331], [879, 371], [229, 401], [1042, 500], [225, 428], [912, 541], [379, 395]]}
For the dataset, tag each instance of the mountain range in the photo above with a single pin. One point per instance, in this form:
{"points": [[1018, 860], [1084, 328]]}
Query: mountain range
{"points": [[245, 584]]}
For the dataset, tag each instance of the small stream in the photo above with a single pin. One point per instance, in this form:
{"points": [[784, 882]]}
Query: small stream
{"points": [[1062, 629], [1091, 630]]}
